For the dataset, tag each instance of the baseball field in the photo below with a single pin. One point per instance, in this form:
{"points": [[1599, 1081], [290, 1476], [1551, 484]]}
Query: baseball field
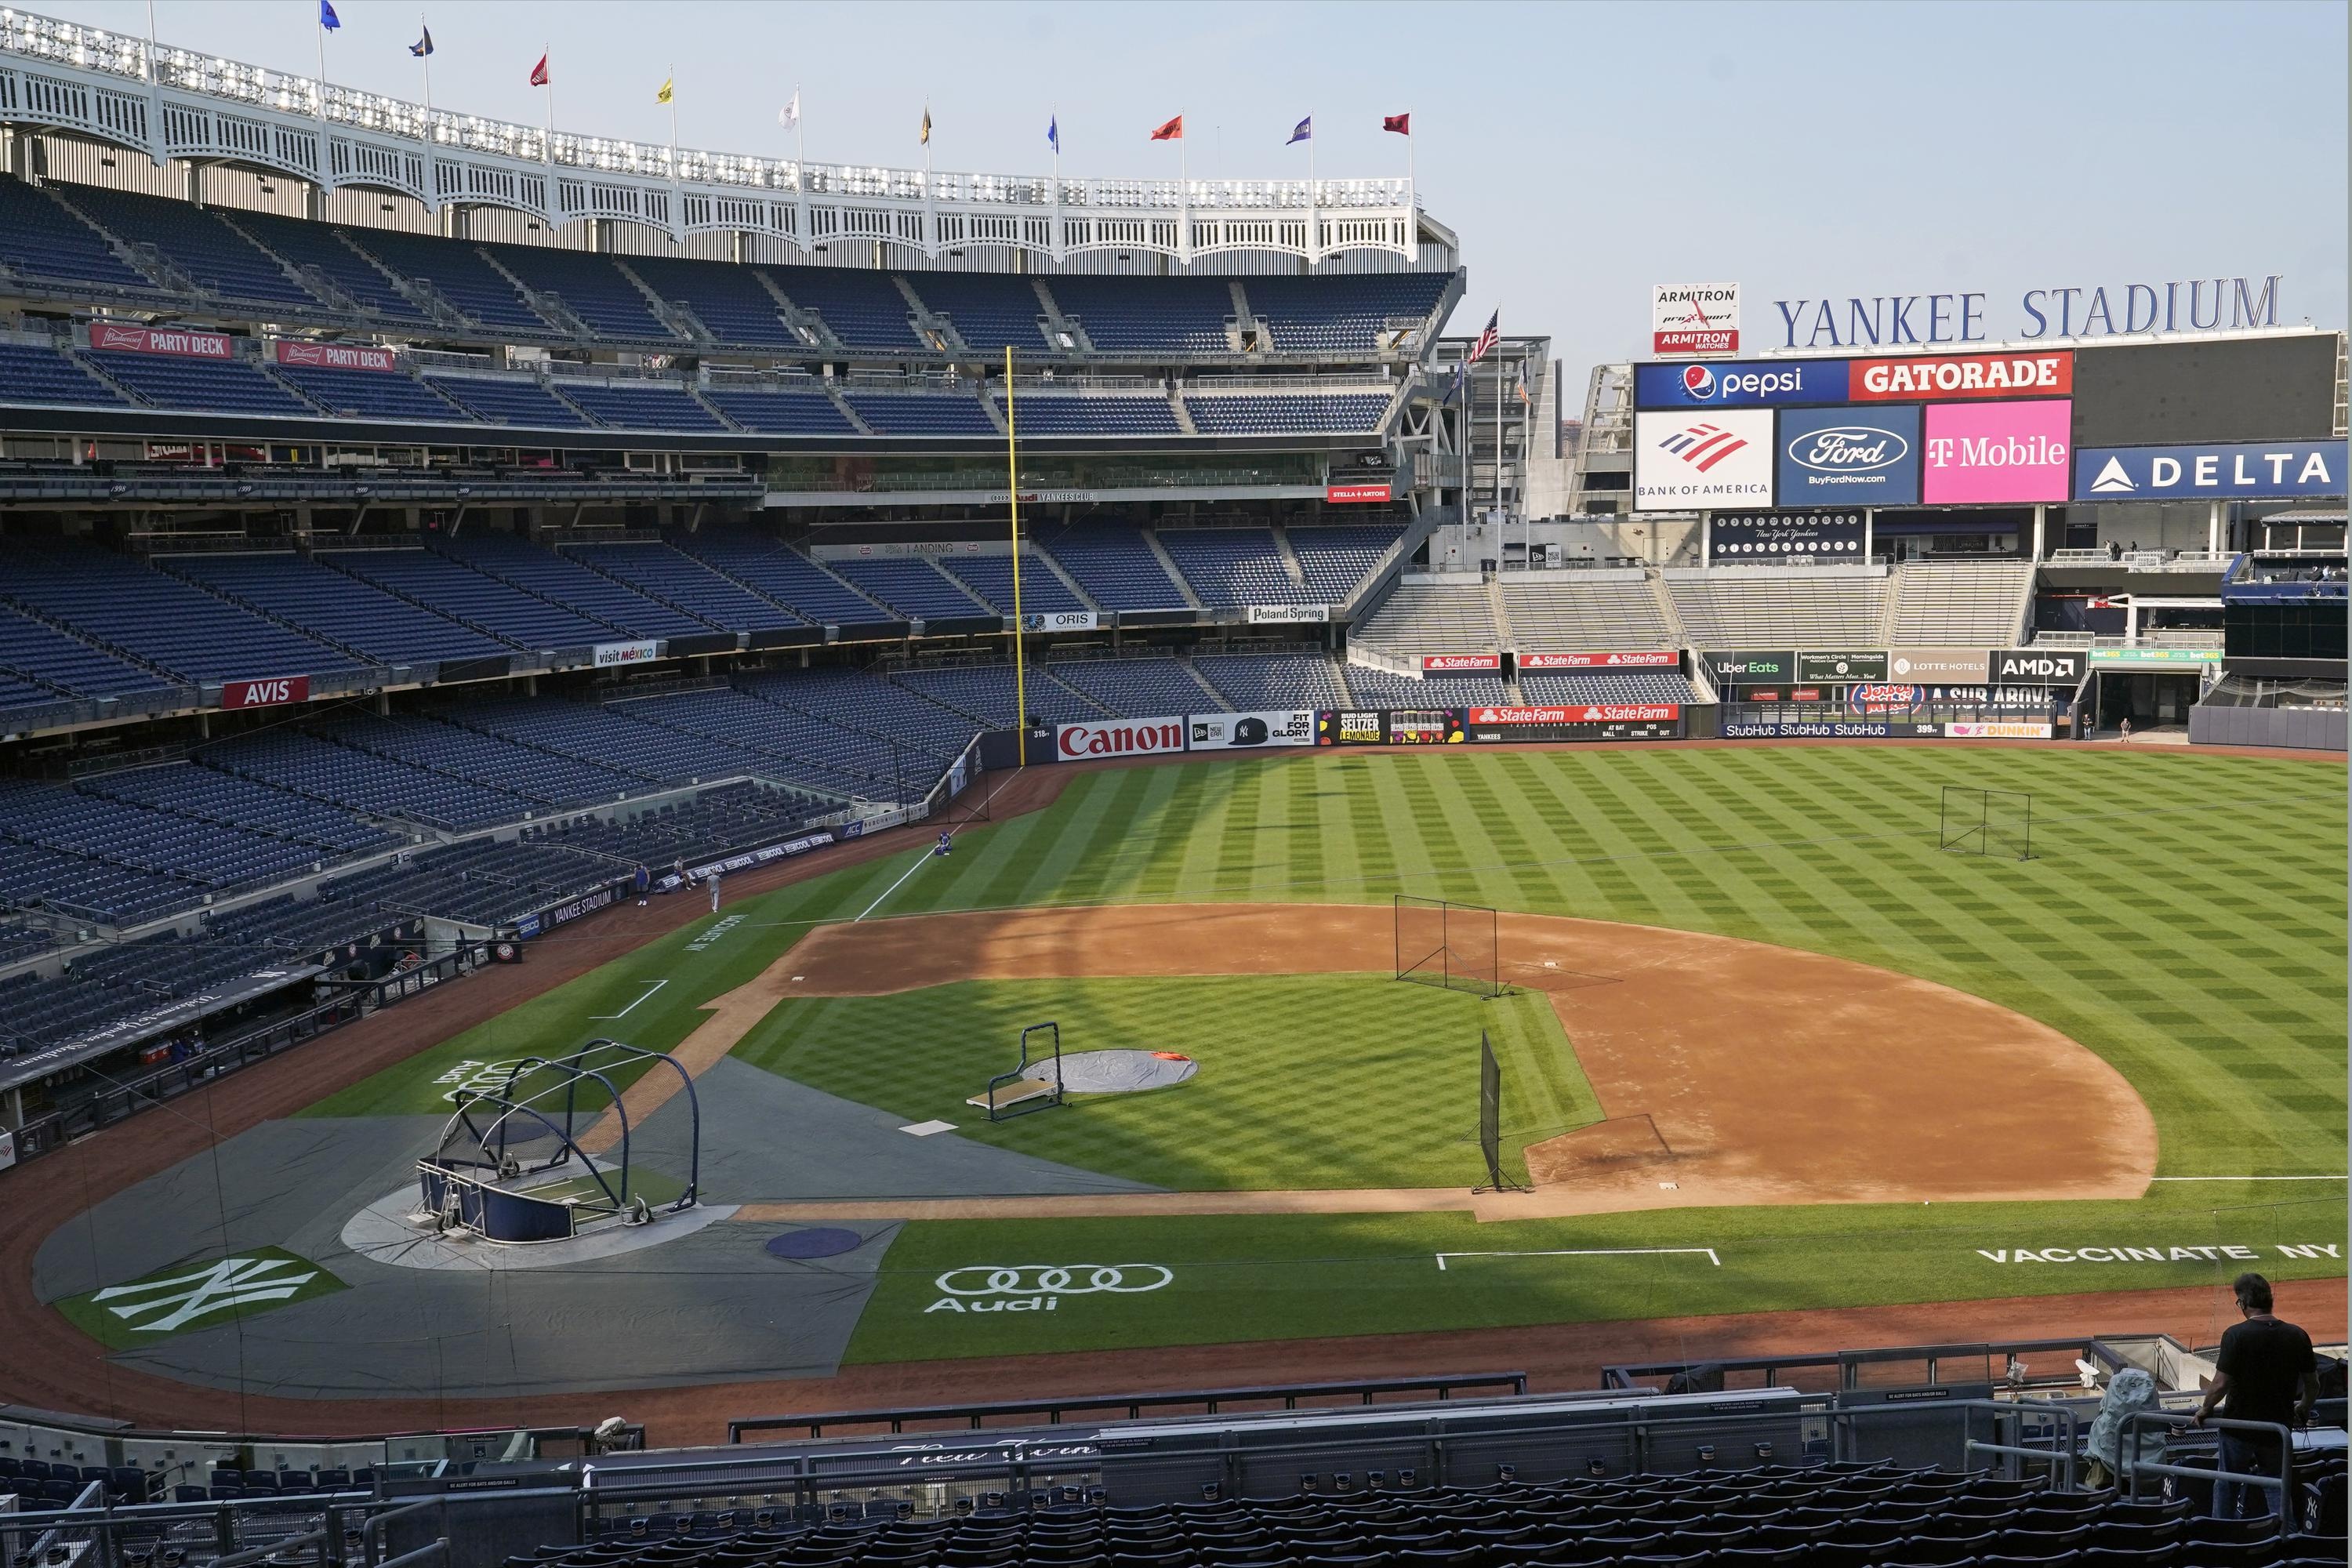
{"points": [[1764, 1046]]}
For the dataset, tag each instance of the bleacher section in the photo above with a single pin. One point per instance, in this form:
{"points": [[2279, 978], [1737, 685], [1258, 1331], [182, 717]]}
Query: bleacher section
{"points": [[1116, 567], [783, 574], [458, 273], [859, 700], [1233, 566], [1341, 316], [1124, 414], [990, 310], [441, 585], [1960, 602], [32, 375], [456, 753], [1607, 686], [780, 412], [799, 750], [1566, 612], [1137, 688], [357, 781], [588, 285], [368, 394], [669, 575], [388, 629], [1269, 413], [895, 414], [508, 400], [1376, 688], [989, 578], [210, 856], [211, 795], [986, 693], [728, 301], [1334, 560], [1821, 606], [911, 586], [1274, 680], [1424, 618], [33, 651], [206, 385], [220, 260], [1182, 318], [865, 309], [306, 245], [639, 404], [611, 734], [564, 581], [155, 618], [40, 241]]}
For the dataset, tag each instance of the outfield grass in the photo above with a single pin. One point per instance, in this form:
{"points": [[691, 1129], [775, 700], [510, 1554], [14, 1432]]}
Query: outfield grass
{"points": [[1322, 1080]]}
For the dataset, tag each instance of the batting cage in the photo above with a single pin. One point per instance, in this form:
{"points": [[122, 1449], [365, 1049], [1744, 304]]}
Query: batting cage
{"points": [[1490, 1119], [1453, 946], [1995, 822]]}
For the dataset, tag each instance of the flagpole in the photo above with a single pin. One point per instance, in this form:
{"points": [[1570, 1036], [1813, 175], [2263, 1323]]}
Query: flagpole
{"points": [[432, 183], [154, 106], [547, 53], [320, 22], [1499, 440], [799, 173], [677, 175], [1012, 498], [1314, 218], [1183, 197], [1054, 118]]}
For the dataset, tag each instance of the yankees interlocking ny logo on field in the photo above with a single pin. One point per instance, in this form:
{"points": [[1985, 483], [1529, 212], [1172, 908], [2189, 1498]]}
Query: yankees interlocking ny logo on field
{"points": [[231, 1282]]}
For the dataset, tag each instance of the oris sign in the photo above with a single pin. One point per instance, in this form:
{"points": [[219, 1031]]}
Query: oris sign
{"points": [[1130, 738]]}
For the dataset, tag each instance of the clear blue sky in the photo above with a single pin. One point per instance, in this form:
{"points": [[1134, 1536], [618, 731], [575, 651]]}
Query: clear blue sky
{"points": [[1581, 152]]}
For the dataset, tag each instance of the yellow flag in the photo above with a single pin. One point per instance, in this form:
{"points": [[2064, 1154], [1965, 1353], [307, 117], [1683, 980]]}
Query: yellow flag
{"points": [[664, 95], [926, 138]]}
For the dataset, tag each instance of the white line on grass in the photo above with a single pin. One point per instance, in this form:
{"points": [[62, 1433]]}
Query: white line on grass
{"points": [[601, 1017], [2249, 1178], [1707, 1252], [919, 864]]}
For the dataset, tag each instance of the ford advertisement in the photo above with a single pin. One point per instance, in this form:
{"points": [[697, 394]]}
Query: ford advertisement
{"points": [[1849, 457]]}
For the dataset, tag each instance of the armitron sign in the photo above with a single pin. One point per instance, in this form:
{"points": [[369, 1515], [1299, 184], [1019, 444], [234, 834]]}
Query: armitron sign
{"points": [[265, 693], [1130, 738]]}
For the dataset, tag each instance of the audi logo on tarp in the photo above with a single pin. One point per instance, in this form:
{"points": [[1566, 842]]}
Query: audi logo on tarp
{"points": [[1039, 1286], [1128, 738]]}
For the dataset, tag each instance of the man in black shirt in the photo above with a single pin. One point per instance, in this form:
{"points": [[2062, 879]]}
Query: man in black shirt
{"points": [[2264, 1373]]}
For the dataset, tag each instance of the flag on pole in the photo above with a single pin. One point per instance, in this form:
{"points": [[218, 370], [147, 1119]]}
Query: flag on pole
{"points": [[1400, 123], [1524, 398], [1487, 339], [1171, 132], [925, 138], [1054, 132], [789, 116], [326, 18], [1302, 132], [663, 96], [1456, 392], [424, 46], [539, 72]]}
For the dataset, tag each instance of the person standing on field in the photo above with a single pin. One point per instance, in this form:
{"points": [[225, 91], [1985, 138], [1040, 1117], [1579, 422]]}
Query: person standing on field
{"points": [[2263, 1372]]}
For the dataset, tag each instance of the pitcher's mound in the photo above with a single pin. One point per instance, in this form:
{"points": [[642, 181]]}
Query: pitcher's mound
{"points": [[1123, 1072]]}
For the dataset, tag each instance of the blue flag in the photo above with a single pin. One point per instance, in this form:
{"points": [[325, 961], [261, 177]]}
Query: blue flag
{"points": [[1303, 132], [326, 18], [1054, 132], [424, 46]]}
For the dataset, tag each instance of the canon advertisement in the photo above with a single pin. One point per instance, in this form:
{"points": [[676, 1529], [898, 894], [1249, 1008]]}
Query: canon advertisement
{"points": [[1856, 455], [1118, 737], [2252, 469], [1693, 462], [1794, 538], [1996, 453], [1234, 731]]}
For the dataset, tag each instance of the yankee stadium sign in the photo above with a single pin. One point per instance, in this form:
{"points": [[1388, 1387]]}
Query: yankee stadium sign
{"points": [[2069, 310]]}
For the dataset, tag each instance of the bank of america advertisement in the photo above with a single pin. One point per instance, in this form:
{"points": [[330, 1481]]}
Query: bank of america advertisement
{"points": [[1683, 462]]}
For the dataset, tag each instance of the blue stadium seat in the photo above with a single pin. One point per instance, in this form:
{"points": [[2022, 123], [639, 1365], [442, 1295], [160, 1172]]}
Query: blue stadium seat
{"points": [[1607, 686], [458, 273], [1272, 414], [370, 394], [991, 312], [1060, 414], [319, 245], [986, 693], [206, 385], [1251, 682], [41, 240], [639, 404], [508, 400], [1148, 688], [865, 309], [895, 414], [589, 287], [1334, 560], [727, 299], [911, 586], [780, 573], [197, 241], [34, 651], [309, 592], [771, 412], [555, 576], [990, 579], [1176, 317], [1115, 566], [485, 603], [37, 376], [669, 575], [1233, 566], [1343, 315]]}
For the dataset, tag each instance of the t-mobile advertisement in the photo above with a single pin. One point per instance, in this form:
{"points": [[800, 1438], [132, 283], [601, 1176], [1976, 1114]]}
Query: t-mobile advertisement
{"points": [[1996, 452]]}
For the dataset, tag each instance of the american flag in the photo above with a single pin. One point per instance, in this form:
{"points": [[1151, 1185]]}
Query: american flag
{"points": [[1487, 339]]}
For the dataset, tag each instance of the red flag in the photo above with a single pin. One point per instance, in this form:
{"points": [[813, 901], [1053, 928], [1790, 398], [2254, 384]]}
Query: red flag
{"points": [[539, 72], [1400, 123], [1487, 339], [1171, 132]]}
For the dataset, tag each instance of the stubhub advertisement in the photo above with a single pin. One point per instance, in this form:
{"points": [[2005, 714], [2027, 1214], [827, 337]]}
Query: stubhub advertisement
{"points": [[1996, 452], [1739, 386], [1849, 457]]}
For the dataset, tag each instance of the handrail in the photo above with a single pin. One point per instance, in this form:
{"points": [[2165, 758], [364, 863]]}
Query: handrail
{"points": [[2132, 1467]]}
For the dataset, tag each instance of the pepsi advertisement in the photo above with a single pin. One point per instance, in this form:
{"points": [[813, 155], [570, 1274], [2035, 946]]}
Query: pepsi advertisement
{"points": [[1739, 385], [1849, 457]]}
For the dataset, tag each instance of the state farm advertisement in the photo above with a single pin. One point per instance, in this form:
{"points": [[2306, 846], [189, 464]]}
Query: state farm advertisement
{"points": [[1915, 378], [334, 356], [1124, 738], [1996, 452], [1695, 317], [1644, 658], [268, 692], [1580, 714], [1457, 663], [151, 340]]}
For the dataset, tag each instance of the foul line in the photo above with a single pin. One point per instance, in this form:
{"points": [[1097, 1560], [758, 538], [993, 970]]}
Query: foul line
{"points": [[2250, 1178], [1708, 1252], [916, 867], [601, 1017]]}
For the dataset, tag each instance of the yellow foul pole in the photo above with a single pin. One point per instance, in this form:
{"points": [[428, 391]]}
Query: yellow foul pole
{"points": [[1013, 495]]}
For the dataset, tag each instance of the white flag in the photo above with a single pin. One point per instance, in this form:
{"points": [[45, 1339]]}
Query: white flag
{"points": [[790, 115]]}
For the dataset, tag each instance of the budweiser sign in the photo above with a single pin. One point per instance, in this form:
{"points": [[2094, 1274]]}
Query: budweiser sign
{"points": [[1438, 662], [1583, 713], [269, 692], [334, 356], [149, 341], [1961, 376], [1644, 658], [1133, 738]]}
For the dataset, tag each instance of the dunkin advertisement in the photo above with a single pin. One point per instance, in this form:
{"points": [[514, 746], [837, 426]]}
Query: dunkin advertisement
{"points": [[1996, 453]]}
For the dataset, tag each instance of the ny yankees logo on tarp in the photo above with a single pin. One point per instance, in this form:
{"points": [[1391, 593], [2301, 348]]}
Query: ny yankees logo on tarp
{"points": [[183, 1297]]}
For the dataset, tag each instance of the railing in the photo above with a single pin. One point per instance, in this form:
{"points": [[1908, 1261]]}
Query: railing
{"points": [[2132, 1467], [1210, 1401]]}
